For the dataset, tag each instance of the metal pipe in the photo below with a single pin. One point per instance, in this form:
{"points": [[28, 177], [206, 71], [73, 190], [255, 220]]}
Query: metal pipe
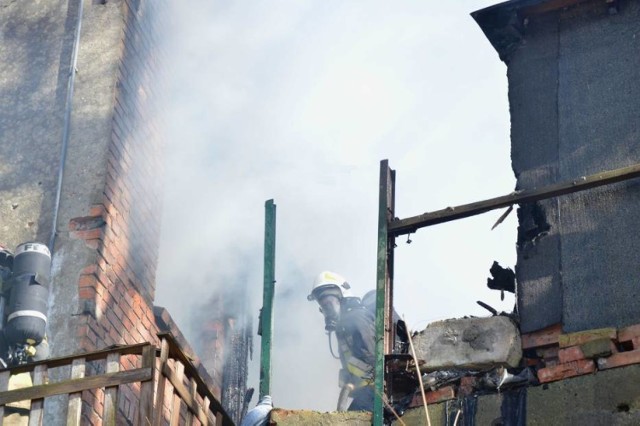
{"points": [[67, 119], [266, 314]]}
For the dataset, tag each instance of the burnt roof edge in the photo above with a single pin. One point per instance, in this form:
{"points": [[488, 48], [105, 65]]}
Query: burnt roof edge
{"points": [[503, 23]]}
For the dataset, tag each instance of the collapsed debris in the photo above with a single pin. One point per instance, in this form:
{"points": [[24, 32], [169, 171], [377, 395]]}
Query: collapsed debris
{"points": [[548, 355]]}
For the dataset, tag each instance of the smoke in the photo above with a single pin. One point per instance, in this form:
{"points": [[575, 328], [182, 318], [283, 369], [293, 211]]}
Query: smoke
{"points": [[299, 101]]}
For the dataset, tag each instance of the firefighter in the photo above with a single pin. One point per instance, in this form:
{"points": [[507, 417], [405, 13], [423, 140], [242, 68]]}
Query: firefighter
{"points": [[354, 327]]}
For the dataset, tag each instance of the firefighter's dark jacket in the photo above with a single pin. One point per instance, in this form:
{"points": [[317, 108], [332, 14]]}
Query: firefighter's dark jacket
{"points": [[356, 335]]}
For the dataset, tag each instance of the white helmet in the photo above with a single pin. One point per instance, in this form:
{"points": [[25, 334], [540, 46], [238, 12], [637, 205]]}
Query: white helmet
{"points": [[329, 282]]}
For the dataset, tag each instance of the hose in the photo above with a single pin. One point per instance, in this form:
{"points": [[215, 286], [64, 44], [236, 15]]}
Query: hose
{"points": [[331, 347]]}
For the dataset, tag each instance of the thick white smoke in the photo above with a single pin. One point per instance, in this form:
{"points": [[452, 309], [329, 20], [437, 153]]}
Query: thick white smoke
{"points": [[299, 101]]}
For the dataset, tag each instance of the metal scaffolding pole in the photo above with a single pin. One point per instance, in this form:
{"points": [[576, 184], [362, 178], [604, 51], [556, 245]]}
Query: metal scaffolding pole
{"points": [[266, 314], [384, 286]]}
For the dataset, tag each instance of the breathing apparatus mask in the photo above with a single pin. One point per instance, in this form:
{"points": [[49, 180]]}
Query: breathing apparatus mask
{"points": [[330, 308]]}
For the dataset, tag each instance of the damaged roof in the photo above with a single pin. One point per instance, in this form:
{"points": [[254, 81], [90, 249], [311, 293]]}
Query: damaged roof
{"points": [[504, 23]]}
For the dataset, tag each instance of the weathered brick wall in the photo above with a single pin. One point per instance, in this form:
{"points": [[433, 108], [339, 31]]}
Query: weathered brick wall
{"points": [[107, 232], [116, 292]]}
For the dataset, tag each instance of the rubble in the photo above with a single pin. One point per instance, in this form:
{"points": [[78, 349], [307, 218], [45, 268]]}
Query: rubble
{"points": [[469, 343], [281, 417], [466, 359]]}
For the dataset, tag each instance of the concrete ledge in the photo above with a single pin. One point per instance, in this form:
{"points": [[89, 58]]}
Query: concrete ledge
{"points": [[283, 417], [472, 343]]}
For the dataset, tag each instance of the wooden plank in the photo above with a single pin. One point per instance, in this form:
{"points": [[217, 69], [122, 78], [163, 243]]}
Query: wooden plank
{"points": [[205, 406], [145, 410], [136, 349], [37, 405], [175, 409], [192, 371], [111, 393], [162, 381], [193, 390], [184, 393], [78, 368], [411, 224], [77, 385]]}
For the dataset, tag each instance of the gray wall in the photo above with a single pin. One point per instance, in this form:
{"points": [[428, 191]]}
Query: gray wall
{"points": [[34, 58], [573, 93], [113, 158], [605, 398], [35, 54]]}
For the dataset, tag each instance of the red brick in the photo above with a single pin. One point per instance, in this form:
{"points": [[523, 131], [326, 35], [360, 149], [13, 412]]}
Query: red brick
{"points": [[97, 210], [87, 281], [619, 360], [88, 234], [433, 397], [87, 293], [563, 371], [544, 337], [573, 353], [628, 333], [91, 269]]}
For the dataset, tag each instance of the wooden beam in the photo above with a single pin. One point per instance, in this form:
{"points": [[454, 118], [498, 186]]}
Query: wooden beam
{"points": [[145, 408], [67, 360], [74, 408], [110, 405], [181, 389], [179, 377], [37, 405], [77, 385], [192, 371], [412, 224], [162, 382]]}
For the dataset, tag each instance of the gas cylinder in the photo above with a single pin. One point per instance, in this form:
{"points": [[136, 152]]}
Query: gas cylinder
{"points": [[29, 294]]}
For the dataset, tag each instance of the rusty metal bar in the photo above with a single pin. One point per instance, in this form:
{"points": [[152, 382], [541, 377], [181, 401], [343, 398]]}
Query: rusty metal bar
{"points": [[412, 224], [384, 286]]}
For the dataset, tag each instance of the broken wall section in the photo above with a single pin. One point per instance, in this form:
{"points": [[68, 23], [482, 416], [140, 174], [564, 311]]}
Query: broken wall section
{"points": [[573, 97]]}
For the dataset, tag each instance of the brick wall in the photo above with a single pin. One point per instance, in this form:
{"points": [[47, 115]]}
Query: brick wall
{"points": [[107, 232], [116, 293]]}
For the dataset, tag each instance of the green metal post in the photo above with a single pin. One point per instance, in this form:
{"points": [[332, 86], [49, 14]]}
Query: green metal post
{"points": [[266, 314], [384, 286]]}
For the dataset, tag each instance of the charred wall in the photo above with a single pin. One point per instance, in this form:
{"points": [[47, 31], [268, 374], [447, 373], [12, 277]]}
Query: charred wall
{"points": [[225, 345], [573, 95]]}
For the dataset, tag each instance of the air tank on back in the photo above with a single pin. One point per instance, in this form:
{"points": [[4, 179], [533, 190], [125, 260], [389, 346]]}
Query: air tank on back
{"points": [[27, 308]]}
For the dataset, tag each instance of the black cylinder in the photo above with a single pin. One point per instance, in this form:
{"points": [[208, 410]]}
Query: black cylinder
{"points": [[33, 259], [27, 309]]}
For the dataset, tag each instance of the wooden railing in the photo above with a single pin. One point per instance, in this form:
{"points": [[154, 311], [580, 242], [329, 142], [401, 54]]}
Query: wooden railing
{"points": [[180, 397]]}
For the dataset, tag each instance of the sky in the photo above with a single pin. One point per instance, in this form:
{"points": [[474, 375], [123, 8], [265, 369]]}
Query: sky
{"points": [[299, 102]]}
